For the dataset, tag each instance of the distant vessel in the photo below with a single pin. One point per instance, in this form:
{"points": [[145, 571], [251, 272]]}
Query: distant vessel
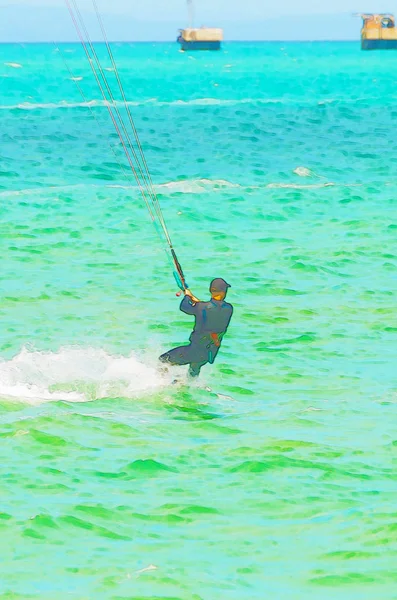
{"points": [[379, 32], [203, 38]]}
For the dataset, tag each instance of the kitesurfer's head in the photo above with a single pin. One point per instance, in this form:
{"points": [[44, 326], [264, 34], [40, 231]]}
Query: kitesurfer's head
{"points": [[218, 288]]}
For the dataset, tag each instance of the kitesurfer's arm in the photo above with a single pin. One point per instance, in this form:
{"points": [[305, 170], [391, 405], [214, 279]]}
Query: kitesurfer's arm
{"points": [[189, 293], [189, 303]]}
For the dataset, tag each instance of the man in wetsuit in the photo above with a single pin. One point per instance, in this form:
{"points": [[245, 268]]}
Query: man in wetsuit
{"points": [[211, 322]]}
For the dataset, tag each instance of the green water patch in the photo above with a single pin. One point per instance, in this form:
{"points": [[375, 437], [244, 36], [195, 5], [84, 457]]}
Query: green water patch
{"points": [[148, 468], [286, 445], [199, 511], [304, 338], [5, 517], [151, 597], [16, 596], [140, 468], [227, 371], [187, 408], [344, 555], [272, 240], [305, 267], [109, 474], [273, 290], [236, 389], [101, 512], [383, 535], [348, 579], [32, 533], [51, 471], [43, 521], [48, 439], [165, 519], [275, 462], [214, 429], [74, 522]]}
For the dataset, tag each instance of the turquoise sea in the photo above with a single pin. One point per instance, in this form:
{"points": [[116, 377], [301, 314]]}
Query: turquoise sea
{"points": [[274, 476]]}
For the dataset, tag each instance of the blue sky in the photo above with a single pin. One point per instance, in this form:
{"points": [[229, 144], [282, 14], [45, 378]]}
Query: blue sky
{"points": [[45, 20]]}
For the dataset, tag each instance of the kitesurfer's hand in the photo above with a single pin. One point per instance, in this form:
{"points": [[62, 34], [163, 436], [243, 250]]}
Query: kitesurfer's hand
{"points": [[189, 293]]}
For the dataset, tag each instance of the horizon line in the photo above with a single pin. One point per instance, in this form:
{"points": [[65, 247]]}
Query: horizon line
{"points": [[175, 41]]}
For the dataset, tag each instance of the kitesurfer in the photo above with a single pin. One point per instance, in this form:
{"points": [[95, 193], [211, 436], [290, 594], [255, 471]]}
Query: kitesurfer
{"points": [[211, 322]]}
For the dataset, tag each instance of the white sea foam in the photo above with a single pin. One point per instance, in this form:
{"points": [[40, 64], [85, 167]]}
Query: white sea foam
{"points": [[327, 101], [13, 65], [186, 186], [65, 104], [76, 375], [103, 103], [221, 101], [192, 186], [297, 186], [201, 102], [42, 190], [181, 103], [47, 105], [305, 172]]}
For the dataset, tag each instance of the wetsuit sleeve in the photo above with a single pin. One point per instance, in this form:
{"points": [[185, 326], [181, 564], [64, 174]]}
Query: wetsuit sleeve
{"points": [[187, 306]]}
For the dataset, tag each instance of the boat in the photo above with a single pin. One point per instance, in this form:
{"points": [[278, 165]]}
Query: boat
{"points": [[203, 38], [379, 32]]}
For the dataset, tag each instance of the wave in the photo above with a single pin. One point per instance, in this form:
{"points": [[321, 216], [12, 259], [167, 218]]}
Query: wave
{"points": [[206, 102], [155, 101], [44, 189], [65, 104], [196, 186], [103, 103], [68, 105], [222, 101], [76, 375], [299, 186], [186, 186]]}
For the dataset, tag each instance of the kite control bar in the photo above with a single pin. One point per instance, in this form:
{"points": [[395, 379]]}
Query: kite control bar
{"points": [[178, 273]]}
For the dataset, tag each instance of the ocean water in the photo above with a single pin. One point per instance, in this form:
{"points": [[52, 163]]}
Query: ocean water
{"points": [[274, 475]]}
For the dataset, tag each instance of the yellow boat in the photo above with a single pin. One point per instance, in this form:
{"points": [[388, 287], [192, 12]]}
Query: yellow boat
{"points": [[379, 32], [203, 38]]}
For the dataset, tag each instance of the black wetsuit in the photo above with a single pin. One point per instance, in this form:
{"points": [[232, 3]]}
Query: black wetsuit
{"points": [[212, 321]]}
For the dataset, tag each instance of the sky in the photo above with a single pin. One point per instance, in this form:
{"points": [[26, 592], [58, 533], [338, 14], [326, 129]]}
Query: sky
{"points": [[157, 20]]}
